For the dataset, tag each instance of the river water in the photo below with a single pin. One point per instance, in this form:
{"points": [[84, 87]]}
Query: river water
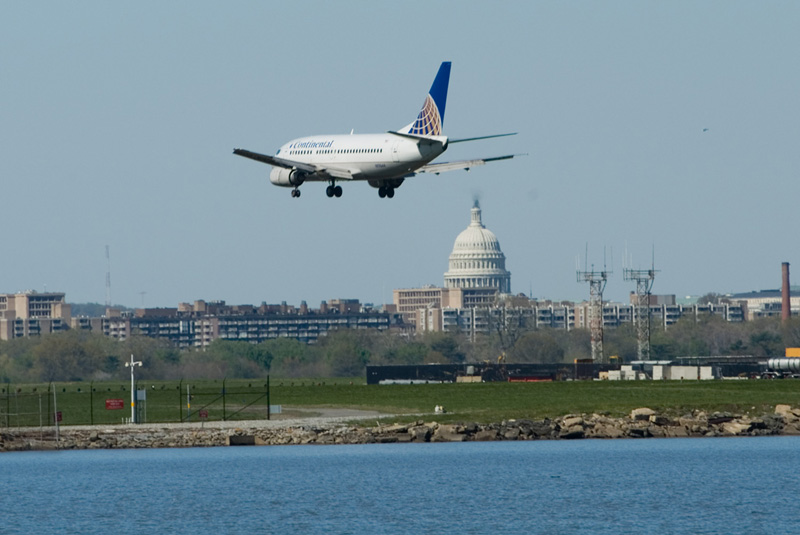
{"points": [[735, 485]]}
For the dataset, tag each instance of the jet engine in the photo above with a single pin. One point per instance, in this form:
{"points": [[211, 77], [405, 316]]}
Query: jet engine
{"points": [[288, 178], [389, 183]]}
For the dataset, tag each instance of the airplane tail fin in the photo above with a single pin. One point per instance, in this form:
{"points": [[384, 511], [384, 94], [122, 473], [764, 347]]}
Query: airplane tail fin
{"points": [[431, 118]]}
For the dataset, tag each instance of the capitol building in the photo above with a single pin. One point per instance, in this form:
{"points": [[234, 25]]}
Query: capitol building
{"points": [[476, 277], [476, 260]]}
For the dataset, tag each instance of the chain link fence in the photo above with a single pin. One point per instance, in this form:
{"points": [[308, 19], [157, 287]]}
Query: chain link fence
{"points": [[39, 405]]}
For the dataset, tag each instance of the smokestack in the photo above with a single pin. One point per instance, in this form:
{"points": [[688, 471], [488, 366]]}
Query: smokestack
{"points": [[786, 307]]}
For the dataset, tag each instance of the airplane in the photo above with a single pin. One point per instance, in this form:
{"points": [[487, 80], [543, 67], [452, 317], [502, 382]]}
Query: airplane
{"points": [[383, 160]]}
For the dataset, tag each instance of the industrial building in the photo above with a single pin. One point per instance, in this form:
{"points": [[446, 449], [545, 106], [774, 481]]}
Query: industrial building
{"points": [[767, 303]]}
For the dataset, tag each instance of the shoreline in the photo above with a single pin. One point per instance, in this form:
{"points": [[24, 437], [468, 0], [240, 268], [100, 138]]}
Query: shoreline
{"points": [[329, 430]]}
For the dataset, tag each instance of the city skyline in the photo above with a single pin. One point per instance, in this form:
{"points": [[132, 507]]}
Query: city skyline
{"points": [[647, 126]]}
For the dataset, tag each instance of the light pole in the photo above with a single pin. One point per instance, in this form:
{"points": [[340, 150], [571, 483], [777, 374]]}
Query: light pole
{"points": [[131, 365]]}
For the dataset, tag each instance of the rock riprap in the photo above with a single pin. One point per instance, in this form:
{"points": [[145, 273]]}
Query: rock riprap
{"points": [[640, 423]]}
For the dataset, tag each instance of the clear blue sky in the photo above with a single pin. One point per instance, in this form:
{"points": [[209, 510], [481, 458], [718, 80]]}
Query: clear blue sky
{"points": [[118, 121]]}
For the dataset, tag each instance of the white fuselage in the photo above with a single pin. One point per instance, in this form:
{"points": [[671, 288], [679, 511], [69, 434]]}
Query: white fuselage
{"points": [[365, 156]]}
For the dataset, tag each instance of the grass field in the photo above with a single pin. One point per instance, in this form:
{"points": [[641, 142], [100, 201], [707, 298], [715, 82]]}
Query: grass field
{"points": [[493, 402], [481, 402]]}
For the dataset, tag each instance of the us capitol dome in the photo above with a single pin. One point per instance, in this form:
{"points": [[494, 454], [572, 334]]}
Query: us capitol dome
{"points": [[476, 260]]}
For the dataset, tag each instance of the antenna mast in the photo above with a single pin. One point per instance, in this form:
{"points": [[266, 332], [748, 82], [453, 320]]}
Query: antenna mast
{"points": [[108, 277], [644, 283], [597, 283]]}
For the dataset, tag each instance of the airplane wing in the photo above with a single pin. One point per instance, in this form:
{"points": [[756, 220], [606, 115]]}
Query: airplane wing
{"points": [[342, 174], [437, 168], [277, 162]]}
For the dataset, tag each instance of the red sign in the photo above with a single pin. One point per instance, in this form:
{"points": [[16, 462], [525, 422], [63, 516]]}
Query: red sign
{"points": [[115, 404], [203, 414], [57, 416]]}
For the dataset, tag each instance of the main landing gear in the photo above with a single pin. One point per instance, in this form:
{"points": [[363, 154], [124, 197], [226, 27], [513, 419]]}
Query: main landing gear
{"points": [[333, 191], [295, 192], [385, 191]]}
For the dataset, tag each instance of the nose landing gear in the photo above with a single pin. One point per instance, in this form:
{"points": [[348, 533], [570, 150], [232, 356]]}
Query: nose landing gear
{"points": [[295, 192], [386, 191]]}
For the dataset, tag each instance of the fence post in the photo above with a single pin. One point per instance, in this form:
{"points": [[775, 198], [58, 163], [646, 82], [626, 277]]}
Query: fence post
{"points": [[269, 407], [91, 402], [49, 397], [224, 393], [180, 399], [8, 404]]}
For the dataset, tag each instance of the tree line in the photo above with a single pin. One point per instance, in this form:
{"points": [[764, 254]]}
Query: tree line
{"points": [[82, 356]]}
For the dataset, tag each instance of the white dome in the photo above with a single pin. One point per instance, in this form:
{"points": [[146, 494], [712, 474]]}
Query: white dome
{"points": [[476, 260]]}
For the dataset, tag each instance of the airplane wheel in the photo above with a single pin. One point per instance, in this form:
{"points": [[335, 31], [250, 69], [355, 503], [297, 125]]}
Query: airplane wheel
{"points": [[295, 193], [381, 192], [329, 191], [337, 191], [390, 192]]}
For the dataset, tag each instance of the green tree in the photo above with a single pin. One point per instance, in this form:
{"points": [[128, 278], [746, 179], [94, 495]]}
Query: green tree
{"points": [[766, 344], [620, 341], [158, 356], [18, 355], [662, 346], [688, 338], [537, 346], [445, 344], [407, 353], [241, 359], [68, 356], [485, 348], [292, 358], [790, 332], [346, 352]]}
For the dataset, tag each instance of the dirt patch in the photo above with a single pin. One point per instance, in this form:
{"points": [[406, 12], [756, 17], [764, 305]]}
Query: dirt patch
{"points": [[289, 413]]}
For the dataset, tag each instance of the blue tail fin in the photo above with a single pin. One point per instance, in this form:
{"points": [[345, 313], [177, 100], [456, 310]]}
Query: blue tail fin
{"points": [[431, 118]]}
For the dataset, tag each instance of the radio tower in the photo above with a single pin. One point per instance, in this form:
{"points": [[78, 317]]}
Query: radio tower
{"points": [[644, 283], [597, 283], [108, 278]]}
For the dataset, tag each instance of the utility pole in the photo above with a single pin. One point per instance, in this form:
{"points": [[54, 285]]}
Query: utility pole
{"points": [[131, 365]]}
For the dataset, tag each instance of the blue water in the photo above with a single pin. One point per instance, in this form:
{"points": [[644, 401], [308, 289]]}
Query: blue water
{"points": [[737, 485]]}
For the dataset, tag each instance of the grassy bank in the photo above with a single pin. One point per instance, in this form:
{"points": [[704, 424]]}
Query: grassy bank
{"points": [[485, 402]]}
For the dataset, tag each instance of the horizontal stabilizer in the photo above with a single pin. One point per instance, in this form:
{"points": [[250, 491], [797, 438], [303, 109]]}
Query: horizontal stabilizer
{"points": [[481, 137], [419, 139]]}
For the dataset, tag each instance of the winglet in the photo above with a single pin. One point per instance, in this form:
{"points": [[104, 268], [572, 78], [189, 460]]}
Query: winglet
{"points": [[431, 118]]}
